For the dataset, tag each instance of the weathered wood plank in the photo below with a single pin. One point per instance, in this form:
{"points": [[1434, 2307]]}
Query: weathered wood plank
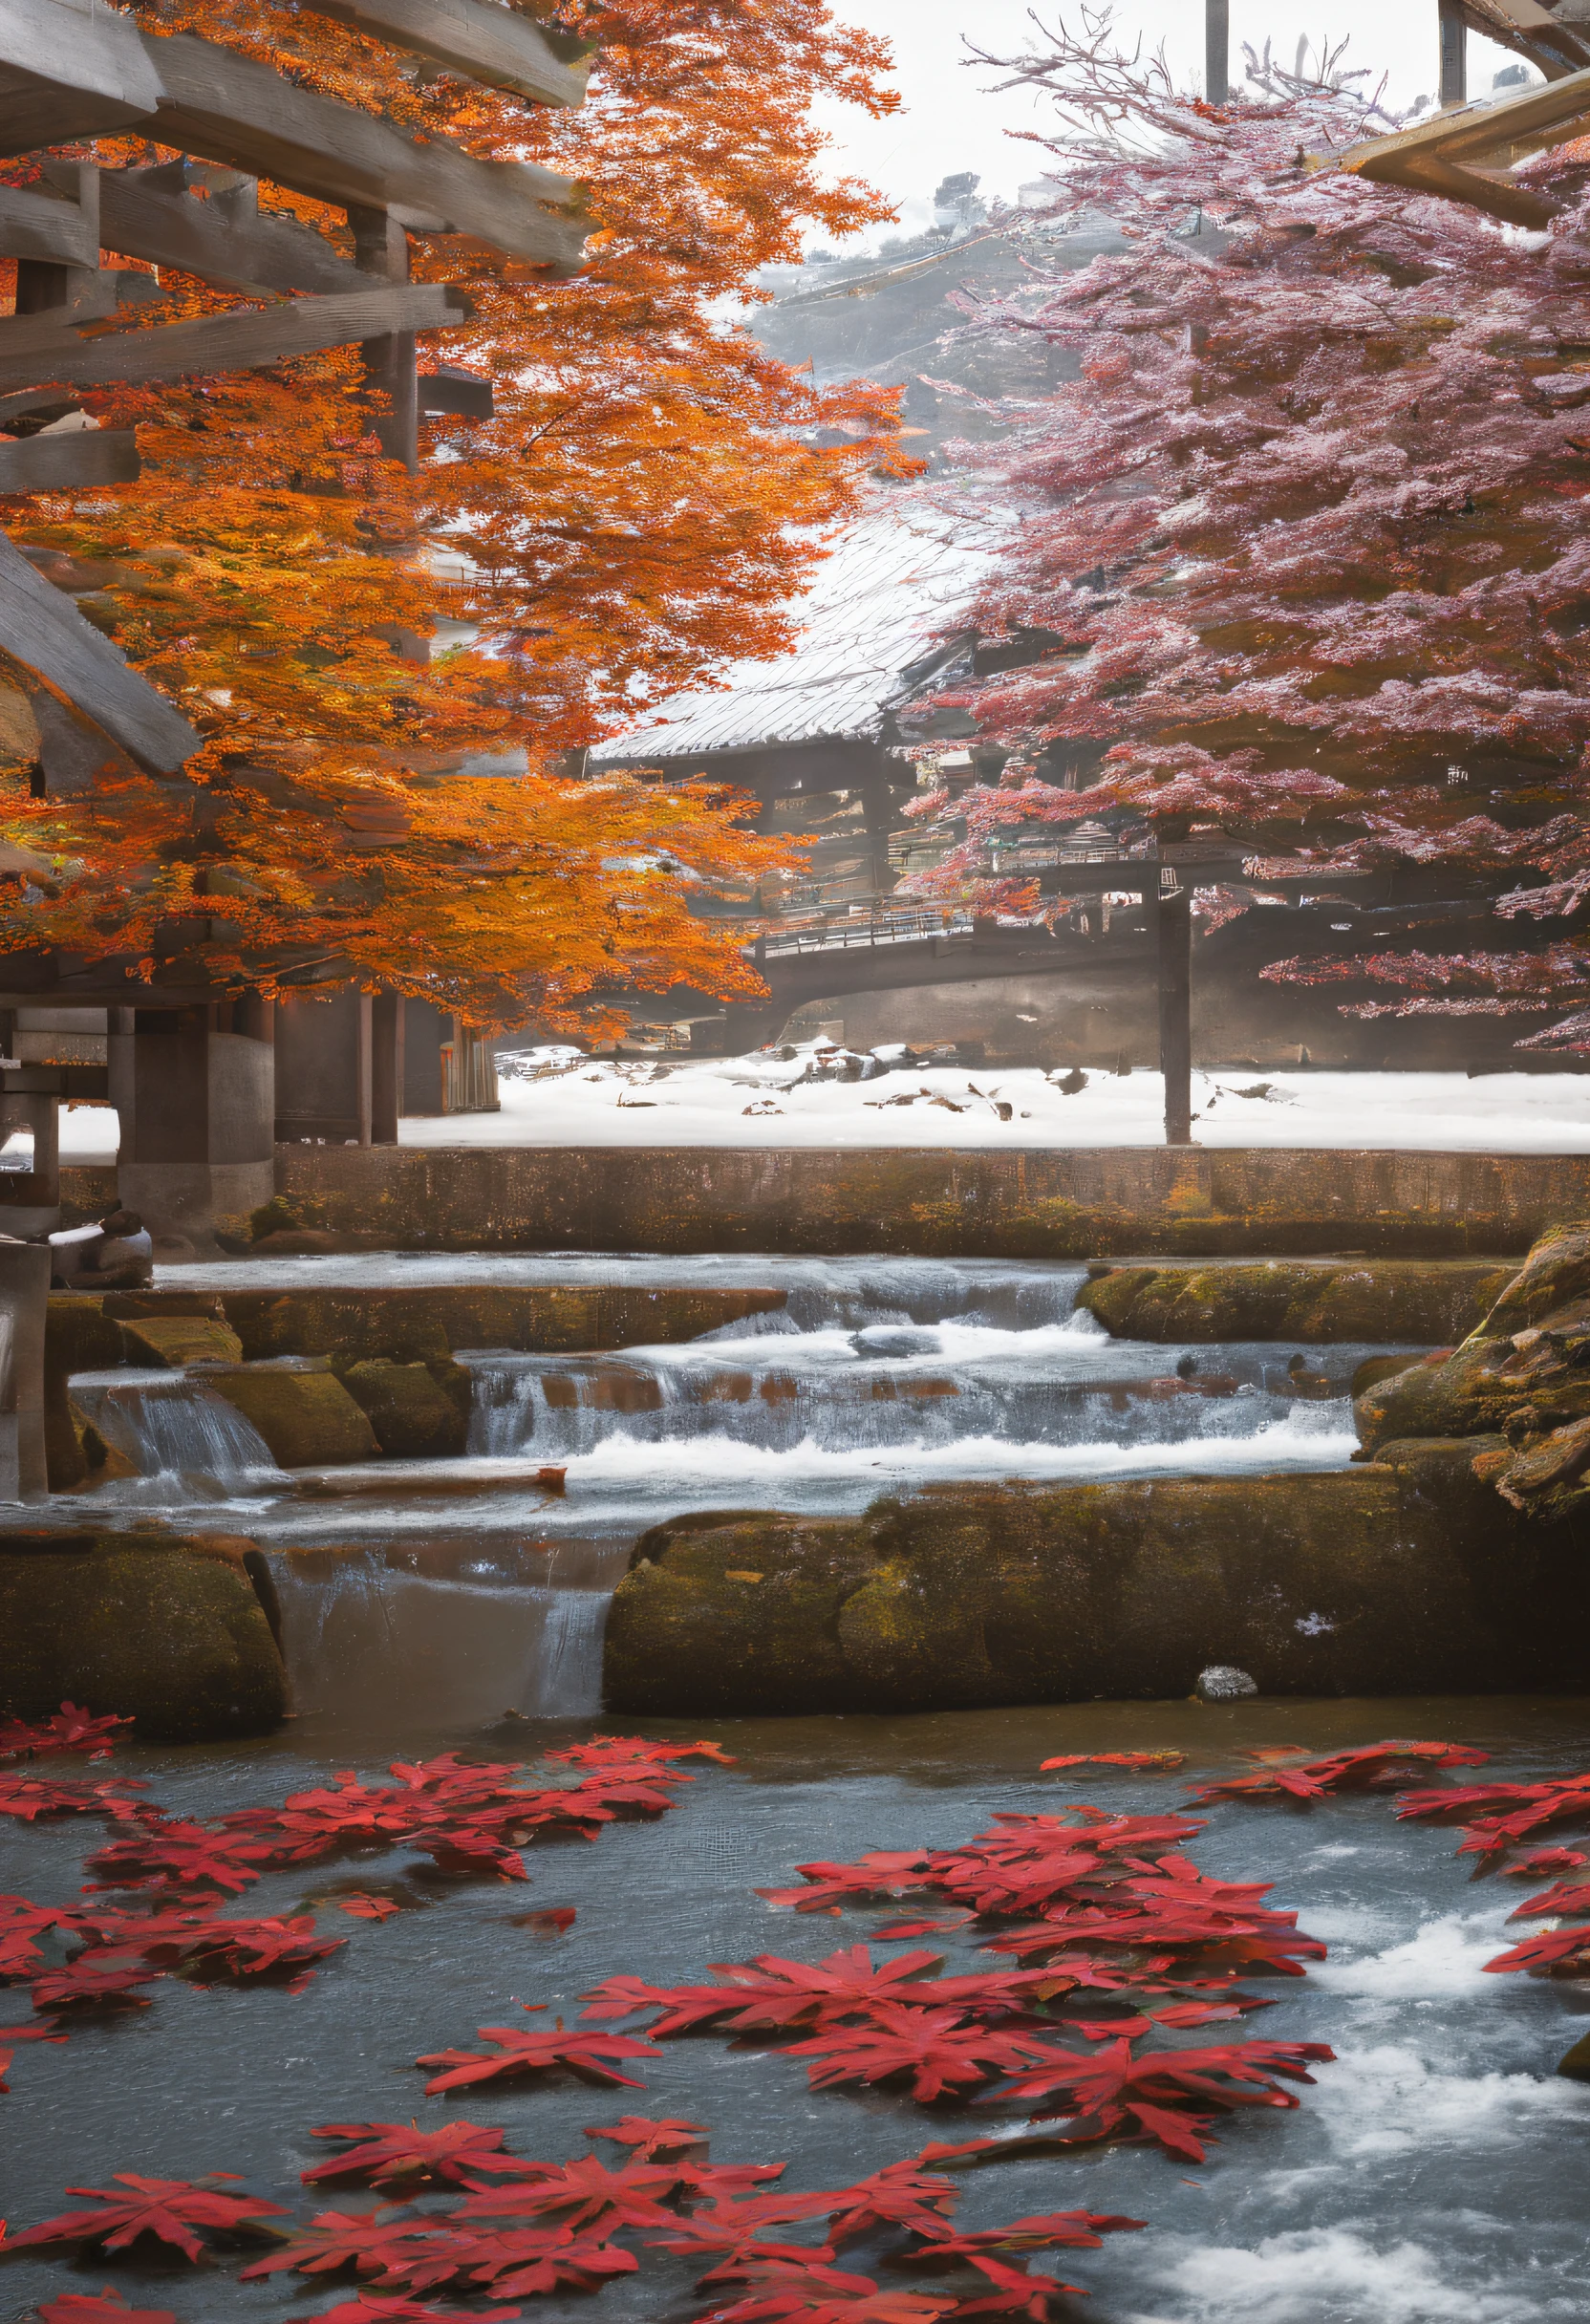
{"points": [[75, 462], [206, 238], [494, 45], [47, 226], [1531, 31], [225, 342], [42, 632], [231, 108], [449, 390], [68, 73]]}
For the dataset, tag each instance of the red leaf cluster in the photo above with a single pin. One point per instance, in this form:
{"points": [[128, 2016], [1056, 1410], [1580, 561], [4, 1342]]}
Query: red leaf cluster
{"points": [[1291, 1774], [68, 1729]]}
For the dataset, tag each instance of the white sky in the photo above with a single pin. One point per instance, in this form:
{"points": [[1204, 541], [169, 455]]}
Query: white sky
{"points": [[950, 121]]}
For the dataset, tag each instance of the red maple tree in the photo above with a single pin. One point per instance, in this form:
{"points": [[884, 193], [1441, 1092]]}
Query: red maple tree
{"points": [[1302, 552]]}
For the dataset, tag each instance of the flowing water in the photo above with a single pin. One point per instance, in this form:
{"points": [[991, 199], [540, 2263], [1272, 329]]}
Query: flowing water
{"points": [[469, 1585], [1434, 2175]]}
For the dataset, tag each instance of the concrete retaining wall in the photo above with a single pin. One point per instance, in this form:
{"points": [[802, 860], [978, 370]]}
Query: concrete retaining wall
{"points": [[1065, 1204]]}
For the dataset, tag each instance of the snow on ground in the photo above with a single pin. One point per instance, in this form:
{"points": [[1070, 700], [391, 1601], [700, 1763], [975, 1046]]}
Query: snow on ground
{"points": [[561, 1099]]}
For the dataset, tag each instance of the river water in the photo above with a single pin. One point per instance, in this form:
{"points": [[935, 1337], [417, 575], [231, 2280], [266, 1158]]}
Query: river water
{"points": [[466, 1587], [1436, 2172]]}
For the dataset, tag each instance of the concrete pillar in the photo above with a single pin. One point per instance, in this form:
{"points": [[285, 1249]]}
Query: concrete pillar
{"points": [[24, 1301], [388, 1046], [425, 1027], [30, 1151], [1174, 920], [1216, 51], [1454, 53], [198, 1122]]}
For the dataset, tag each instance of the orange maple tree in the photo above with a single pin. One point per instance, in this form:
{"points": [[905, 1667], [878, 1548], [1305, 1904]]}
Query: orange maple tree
{"points": [[651, 490]]}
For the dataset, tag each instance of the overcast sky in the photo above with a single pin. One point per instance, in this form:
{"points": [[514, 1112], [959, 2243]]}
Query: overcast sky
{"points": [[952, 120]]}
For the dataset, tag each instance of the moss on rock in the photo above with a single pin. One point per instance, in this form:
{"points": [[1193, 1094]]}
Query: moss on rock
{"points": [[303, 1411], [162, 1628], [180, 1340], [1381, 1581], [414, 1418], [1322, 1299]]}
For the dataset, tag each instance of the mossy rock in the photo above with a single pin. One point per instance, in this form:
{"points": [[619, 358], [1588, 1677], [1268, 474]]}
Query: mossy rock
{"points": [[180, 1340], [165, 1630], [1376, 1582], [1556, 1274], [414, 1418], [1312, 1301], [273, 1217], [304, 1413]]}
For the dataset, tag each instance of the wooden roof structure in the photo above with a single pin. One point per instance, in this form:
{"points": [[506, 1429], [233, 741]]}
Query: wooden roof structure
{"points": [[1467, 152], [72, 70]]}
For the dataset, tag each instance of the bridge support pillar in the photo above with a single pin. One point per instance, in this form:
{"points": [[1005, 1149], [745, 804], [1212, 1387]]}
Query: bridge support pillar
{"points": [[197, 1101], [1173, 918]]}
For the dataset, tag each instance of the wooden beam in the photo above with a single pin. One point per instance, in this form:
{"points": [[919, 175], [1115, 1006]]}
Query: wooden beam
{"points": [[74, 463], [219, 342], [495, 45], [218, 239], [450, 390], [43, 633], [1429, 158], [1531, 31], [231, 108], [48, 226], [69, 72]]}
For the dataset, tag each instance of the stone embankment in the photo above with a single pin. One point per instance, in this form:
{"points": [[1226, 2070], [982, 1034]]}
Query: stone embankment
{"points": [[1382, 1581], [175, 1632], [1454, 1558], [1060, 1203]]}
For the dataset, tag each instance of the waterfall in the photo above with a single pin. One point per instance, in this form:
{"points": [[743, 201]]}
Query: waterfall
{"points": [[188, 1443], [460, 1632]]}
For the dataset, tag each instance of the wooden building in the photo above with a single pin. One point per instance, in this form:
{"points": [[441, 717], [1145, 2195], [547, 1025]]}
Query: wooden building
{"points": [[196, 1077]]}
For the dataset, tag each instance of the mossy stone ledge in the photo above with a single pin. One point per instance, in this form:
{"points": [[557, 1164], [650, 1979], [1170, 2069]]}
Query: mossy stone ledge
{"points": [[1383, 1579], [1314, 1301], [166, 1628]]}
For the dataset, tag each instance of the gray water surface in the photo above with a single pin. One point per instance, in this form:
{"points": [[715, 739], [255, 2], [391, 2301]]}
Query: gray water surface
{"points": [[1436, 2172]]}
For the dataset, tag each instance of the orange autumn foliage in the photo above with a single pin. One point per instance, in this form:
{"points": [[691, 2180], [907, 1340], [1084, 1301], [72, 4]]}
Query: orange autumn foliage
{"points": [[651, 490]]}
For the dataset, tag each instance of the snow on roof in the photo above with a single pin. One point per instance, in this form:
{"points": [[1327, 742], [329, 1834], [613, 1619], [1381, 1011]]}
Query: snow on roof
{"points": [[894, 591]]}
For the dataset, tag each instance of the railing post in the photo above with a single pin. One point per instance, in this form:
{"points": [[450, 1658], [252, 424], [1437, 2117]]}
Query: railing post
{"points": [[1216, 51], [1454, 54], [1173, 923]]}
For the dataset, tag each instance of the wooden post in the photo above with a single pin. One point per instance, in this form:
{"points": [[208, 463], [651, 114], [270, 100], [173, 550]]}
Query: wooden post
{"points": [[366, 1061], [1216, 51], [1454, 58], [387, 1067], [1174, 919], [381, 247]]}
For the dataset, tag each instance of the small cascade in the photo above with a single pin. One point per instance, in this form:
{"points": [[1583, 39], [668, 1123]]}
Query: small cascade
{"points": [[188, 1443], [458, 1631]]}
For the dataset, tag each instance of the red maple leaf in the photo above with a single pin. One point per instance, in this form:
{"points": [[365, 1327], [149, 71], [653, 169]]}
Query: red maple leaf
{"points": [[1115, 1758], [87, 1983], [585, 2192], [27, 1798], [1539, 1860], [524, 2262], [648, 2137], [334, 2240], [390, 2153], [786, 2292], [362, 1907], [933, 2047], [178, 1855], [901, 2195], [1558, 1953], [169, 2209], [68, 1729], [1170, 2095], [370, 2308], [880, 1872], [1291, 1777], [107, 2307], [1017, 2290], [471, 1851], [531, 2050], [622, 1751]]}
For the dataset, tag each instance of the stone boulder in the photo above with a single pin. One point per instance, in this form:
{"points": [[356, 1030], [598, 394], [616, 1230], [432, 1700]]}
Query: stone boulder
{"points": [[168, 1629], [1521, 1379], [302, 1411], [1375, 1582], [414, 1418], [1307, 1300]]}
